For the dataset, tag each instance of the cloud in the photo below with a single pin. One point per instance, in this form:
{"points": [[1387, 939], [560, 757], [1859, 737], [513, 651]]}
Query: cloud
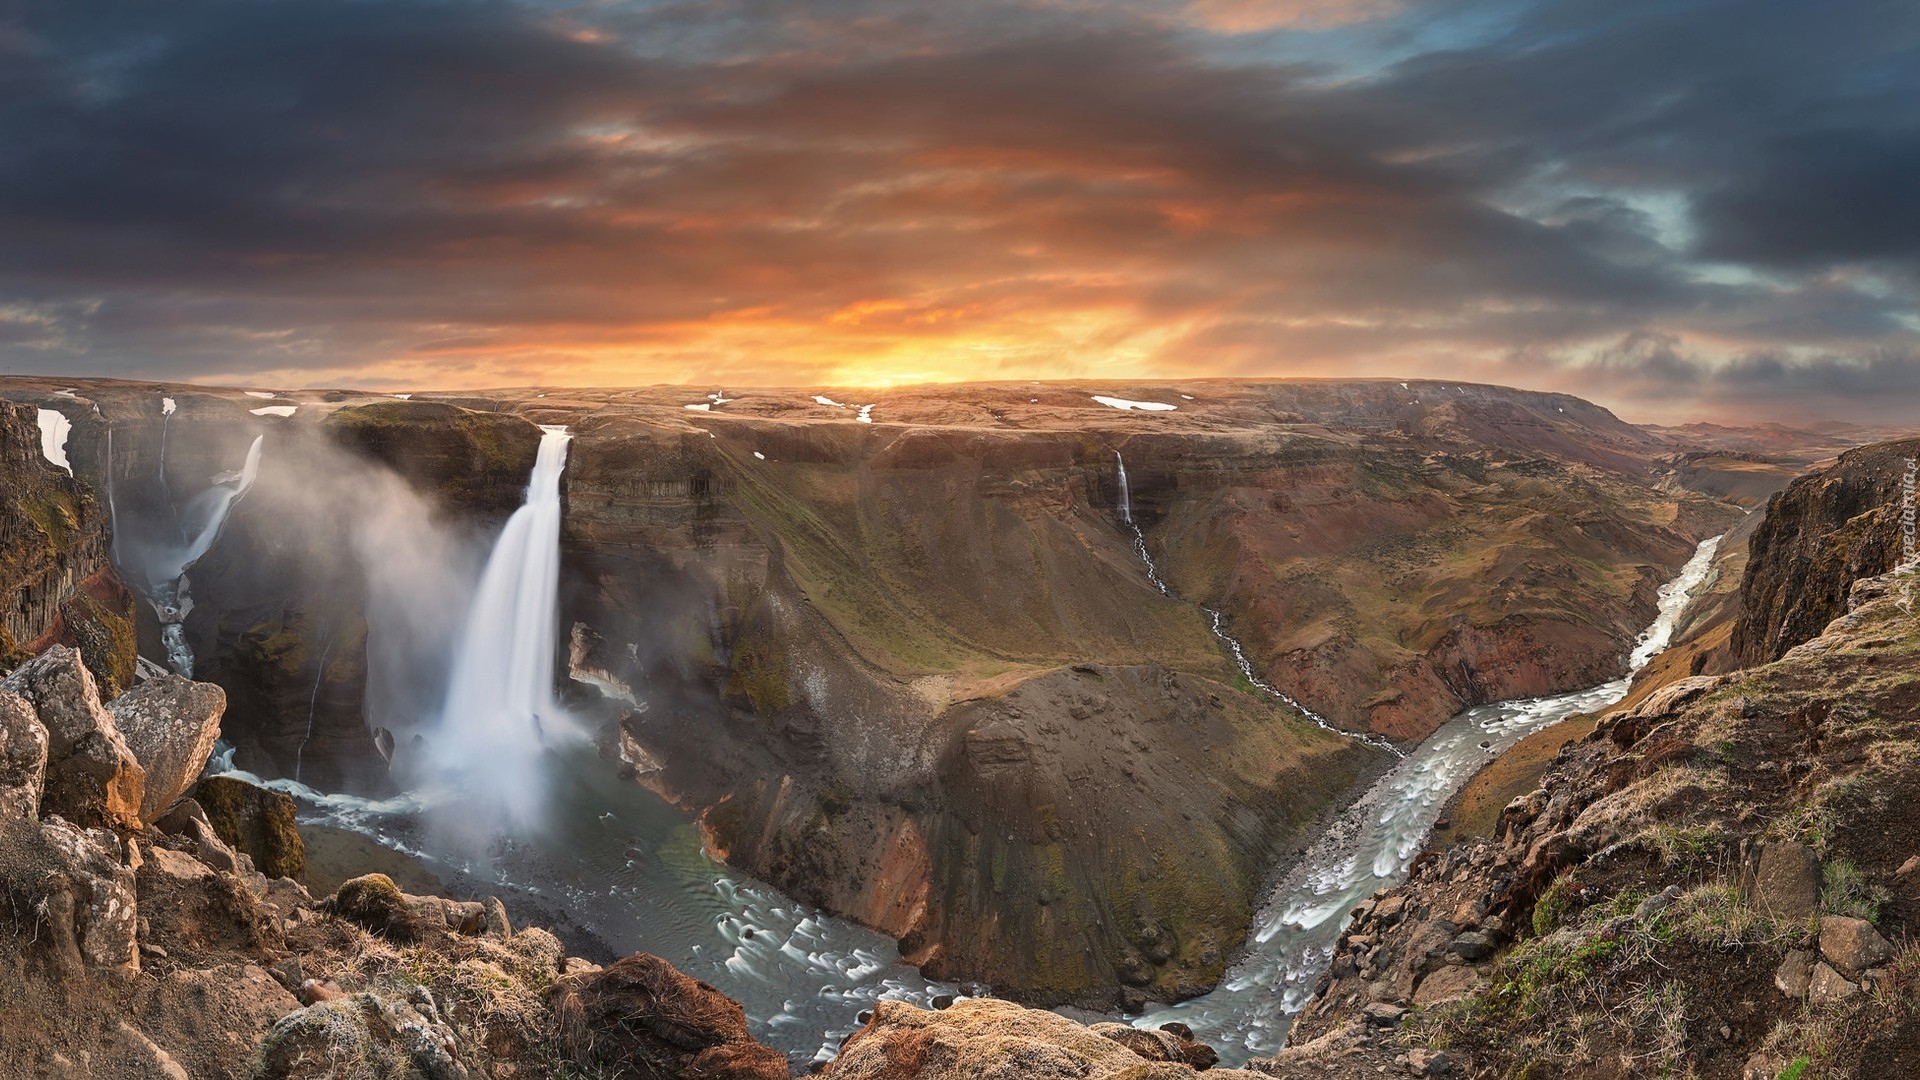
{"points": [[414, 193]]}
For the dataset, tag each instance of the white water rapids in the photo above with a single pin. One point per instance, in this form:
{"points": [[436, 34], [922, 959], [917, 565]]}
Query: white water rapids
{"points": [[1370, 846]]}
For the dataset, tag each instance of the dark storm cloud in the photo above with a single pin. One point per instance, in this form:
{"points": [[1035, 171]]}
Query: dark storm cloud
{"points": [[498, 192]]}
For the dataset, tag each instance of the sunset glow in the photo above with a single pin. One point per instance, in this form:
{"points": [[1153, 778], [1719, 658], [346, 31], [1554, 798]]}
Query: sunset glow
{"points": [[863, 193]]}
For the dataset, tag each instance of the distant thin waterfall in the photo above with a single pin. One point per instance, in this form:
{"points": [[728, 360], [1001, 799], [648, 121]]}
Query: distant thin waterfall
{"points": [[500, 708], [1139, 538], [1217, 623], [313, 705]]}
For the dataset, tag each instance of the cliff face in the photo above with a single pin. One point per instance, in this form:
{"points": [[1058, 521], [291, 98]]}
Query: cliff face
{"points": [[1827, 530], [55, 575], [891, 617]]}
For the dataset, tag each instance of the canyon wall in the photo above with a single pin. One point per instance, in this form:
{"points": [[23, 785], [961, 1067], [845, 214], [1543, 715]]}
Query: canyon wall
{"points": [[1826, 530], [915, 671]]}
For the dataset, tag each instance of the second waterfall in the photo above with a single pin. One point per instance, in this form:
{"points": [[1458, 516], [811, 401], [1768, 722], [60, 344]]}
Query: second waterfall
{"points": [[500, 708]]}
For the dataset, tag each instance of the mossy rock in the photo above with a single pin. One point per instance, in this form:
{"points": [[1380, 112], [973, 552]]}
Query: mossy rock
{"points": [[375, 903], [329, 1039], [106, 637], [254, 820]]}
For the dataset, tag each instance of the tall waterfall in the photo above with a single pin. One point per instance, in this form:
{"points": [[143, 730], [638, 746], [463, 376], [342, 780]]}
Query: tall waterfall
{"points": [[500, 709]]}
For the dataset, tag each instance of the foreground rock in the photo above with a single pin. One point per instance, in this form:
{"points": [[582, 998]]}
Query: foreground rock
{"points": [[253, 820], [641, 1018], [170, 724], [986, 1039], [159, 950], [92, 776], [1711, 884]]}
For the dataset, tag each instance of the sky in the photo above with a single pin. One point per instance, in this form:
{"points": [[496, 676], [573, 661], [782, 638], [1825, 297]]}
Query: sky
{"points": [[1688, 209]]}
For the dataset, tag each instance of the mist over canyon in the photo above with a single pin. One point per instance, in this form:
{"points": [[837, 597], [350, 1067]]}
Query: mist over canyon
{"points": [[1098, 697]]}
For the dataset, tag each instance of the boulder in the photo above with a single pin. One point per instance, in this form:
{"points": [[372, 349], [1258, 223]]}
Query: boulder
{"points": [[365, 1034], [87, 898], [376, 904], [256, 821], [641, 1018], [23, 758], [190, 909], [1786, 884], [1446, 984], [497, 922], [1172, 1042], [92, 776], [1794, 974], [170, 724], [1852, 945], [1475, 945], [1827, 985]]}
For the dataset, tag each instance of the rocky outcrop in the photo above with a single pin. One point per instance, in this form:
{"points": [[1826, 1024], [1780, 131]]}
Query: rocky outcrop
{"points": [[640, 1018], [170, 724], [1828, 529], [1723, 845], [475, 461], [87, 899], [253, 820], [92, 775], [986, 1039], [53, 541], [23, 758], [1097, 835], [156, 950]]}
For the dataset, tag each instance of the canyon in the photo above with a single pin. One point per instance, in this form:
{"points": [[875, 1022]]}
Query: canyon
{"points": [[945, 663]]}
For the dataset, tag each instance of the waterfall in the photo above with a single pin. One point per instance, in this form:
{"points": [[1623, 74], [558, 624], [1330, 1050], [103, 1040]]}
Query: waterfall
{"points": [[1139, 538], [1217, 623], [313, 705], [157, 566], [500, 709]]}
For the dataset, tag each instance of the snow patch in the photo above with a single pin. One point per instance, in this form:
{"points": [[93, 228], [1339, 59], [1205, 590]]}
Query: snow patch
{"points": [[866, 414], [274, 410], [264, 395], [822, 399], [719, 398], [403, 397], [702, 407], [1143, 406], [167, 406], [759, 455], [54, 429], [65, 393], [1186, 397]]}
